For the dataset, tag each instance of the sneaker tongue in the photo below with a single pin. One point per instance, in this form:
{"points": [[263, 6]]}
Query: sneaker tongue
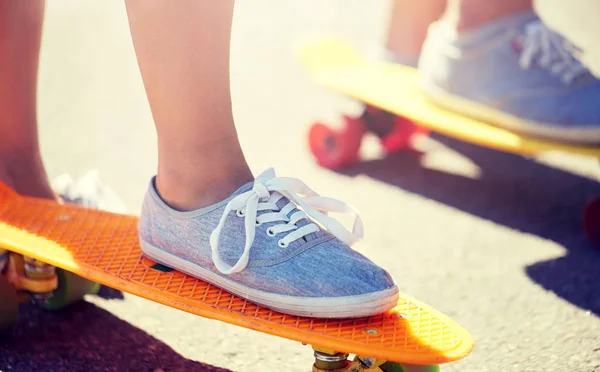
{"points": [[303, 222], [283, 202], [270, 174]]}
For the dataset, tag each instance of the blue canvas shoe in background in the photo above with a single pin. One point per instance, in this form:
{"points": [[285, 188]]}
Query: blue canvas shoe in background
{"points": [[515, 73]]}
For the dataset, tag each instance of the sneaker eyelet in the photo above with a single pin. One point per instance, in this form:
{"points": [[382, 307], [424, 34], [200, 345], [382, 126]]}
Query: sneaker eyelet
{"points": [[240, 213], [257, 223], [282, 244], [270, 232]]}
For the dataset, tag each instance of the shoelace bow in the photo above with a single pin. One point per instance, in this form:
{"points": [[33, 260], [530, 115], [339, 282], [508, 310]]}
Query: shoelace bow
{"points": [[265, 193]]}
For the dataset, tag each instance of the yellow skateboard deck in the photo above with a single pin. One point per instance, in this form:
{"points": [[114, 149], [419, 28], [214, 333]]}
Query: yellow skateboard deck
{"points": [[335, 64], [104, 248]]}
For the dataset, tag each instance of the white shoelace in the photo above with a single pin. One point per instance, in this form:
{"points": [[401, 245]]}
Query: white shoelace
{"points": [[89, 191], [551, 52], [265, 193]]}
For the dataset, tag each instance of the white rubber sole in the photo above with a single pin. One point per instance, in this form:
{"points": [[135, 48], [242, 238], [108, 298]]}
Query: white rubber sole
{"points": [[583, 136], [331, 307]]}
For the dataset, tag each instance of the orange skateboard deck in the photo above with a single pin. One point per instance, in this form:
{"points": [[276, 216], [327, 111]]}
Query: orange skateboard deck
{"points": [[103, 247]]}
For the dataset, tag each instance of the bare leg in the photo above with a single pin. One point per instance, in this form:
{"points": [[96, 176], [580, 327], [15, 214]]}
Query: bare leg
{"points": [[408, 26], [21, 165], [183, 53], [410, 19]]}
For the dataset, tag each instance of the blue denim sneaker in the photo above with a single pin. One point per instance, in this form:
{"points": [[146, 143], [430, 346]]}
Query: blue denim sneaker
{"points": [[514, 73], [270, 243]]}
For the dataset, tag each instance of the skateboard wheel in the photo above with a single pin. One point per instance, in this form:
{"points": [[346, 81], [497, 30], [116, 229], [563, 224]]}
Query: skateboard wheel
{"points": [[334, 149], [9, 306], [71, 289], [401, 367], [402, 135], [591, 221]]}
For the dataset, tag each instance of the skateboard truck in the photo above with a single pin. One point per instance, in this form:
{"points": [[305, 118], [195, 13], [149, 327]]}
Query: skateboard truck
{"points": [[331, 361], [337, 148], [42, 273], [29, 275]]}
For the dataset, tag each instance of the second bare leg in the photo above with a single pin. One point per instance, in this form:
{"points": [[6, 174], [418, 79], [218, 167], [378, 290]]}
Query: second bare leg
{"points": [[21, 166], [408, 27], [409, 20]]}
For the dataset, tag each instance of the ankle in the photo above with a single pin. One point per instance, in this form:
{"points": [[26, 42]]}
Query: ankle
{"points": [[29, 186], [26, 175], [188, 191], [465, 15]]}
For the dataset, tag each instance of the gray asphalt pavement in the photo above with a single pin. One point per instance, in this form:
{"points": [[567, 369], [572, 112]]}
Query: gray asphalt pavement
{"points": [[492, 240]]}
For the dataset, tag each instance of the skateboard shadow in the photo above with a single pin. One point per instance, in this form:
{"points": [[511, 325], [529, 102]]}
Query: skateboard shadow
{"points": [[84, 337], [109, 293], [516, 192]]}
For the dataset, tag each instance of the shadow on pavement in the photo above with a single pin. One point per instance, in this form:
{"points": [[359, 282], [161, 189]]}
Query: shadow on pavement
{"points": [[108, 293], [518, 193], [85, 337]]}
